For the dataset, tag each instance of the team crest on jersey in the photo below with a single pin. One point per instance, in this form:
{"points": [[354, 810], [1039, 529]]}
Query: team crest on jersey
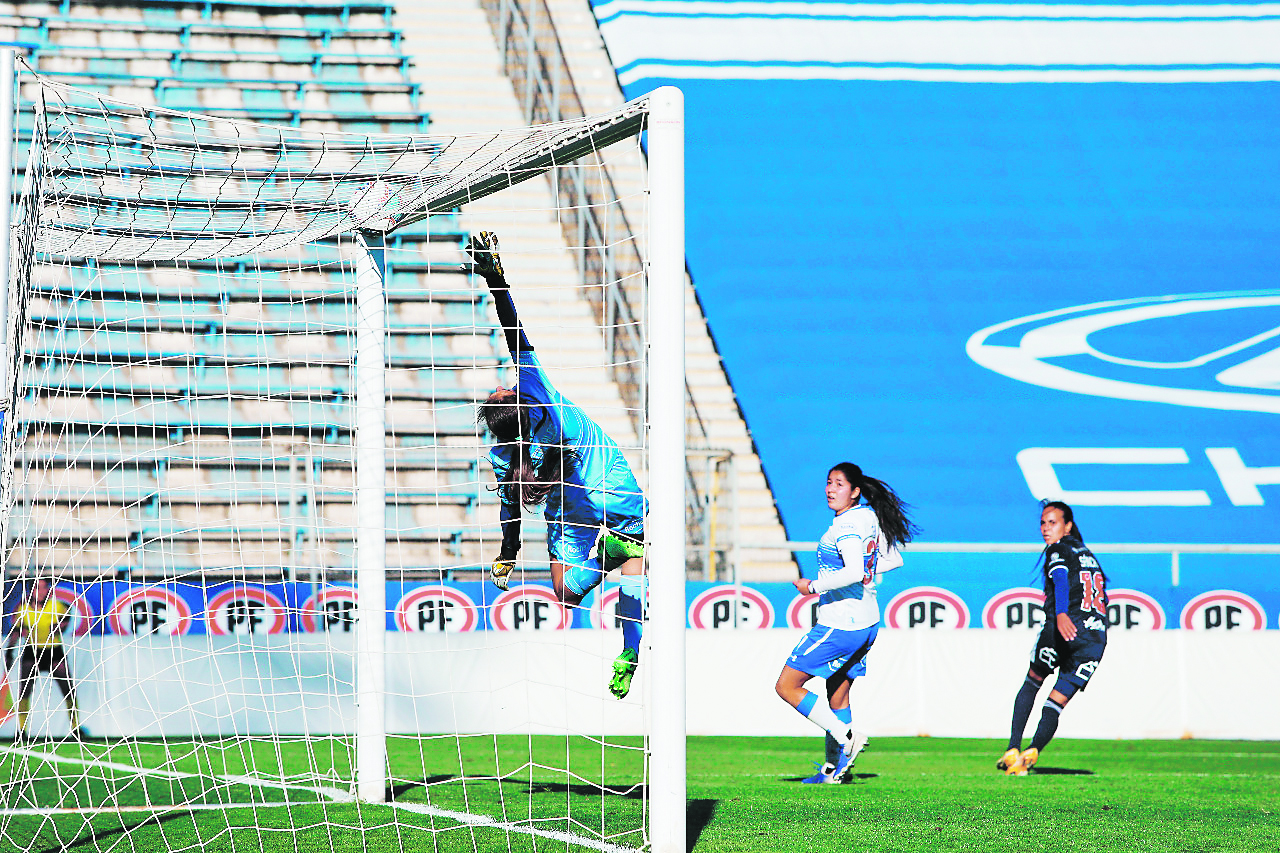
{"points": [[529, 608], [723, 607], [929, 607], [81, 613], [149, 610], [1223, 610], [1017, 609], [332, 608], [246, 610], [436, 609], [1131, 610]]}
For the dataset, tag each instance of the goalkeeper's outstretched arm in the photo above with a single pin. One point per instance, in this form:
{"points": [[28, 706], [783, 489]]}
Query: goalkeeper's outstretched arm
{"points": [[483, 249]]}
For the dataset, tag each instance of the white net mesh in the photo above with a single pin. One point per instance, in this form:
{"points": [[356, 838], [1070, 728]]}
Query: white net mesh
{"points": [[181, 467]]}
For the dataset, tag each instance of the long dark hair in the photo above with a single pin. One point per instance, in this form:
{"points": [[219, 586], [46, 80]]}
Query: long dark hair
{"points": [[1069, 517], [524, 484], [890, 509]]}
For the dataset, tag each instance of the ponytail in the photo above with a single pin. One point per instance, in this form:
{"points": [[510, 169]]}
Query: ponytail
{"points": [[890, 510]]}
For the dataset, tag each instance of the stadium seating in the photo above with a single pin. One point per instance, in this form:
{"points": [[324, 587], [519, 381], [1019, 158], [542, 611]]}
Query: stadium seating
{"points": [[199, 420]]}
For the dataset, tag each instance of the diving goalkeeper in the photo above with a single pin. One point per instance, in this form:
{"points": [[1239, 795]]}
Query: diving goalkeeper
{"points": [[549, 452]]}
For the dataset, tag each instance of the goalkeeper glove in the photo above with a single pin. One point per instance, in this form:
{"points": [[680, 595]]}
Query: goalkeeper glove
{"points": [[500, 572], [483, 249]]}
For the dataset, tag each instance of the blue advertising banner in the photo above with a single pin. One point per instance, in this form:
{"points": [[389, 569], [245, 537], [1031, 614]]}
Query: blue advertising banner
{"points": [[979, 597]]}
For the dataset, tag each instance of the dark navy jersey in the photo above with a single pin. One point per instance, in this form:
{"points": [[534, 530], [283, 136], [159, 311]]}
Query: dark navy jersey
{"points": [[1085, 583]]}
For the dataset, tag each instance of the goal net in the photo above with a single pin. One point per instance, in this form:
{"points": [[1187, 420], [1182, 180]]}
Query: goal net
{"points": [[249, 509]]}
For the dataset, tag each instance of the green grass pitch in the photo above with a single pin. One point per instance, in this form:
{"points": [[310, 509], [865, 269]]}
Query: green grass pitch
{"points": [[910, 794]]}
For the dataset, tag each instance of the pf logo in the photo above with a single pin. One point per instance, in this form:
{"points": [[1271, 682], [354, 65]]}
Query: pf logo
{"points": [[604, 609], [1223, 610], [529, 608], [1020, 608], [927, 607], [81, 619], [246, 610], [149, 610], [436, 609], [332, 608], [722, 607], [803, 611], [1130, 610]]}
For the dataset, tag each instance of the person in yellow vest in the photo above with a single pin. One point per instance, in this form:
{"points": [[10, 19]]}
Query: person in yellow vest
{"points": [[39, 622]]}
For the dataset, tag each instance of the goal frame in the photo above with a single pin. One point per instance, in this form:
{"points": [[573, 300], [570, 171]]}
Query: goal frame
{"points": [[661, 115]]}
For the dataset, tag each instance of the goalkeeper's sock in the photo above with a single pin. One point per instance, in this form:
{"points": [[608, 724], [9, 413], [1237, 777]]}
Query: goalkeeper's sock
{"points": [[1048, 725], [24, 706], [1022, 705], [631, 590], [73, 712], [821, 715]]}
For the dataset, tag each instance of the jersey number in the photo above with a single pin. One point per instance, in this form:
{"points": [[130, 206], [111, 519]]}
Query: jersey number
{"points": [[1094, 596]]}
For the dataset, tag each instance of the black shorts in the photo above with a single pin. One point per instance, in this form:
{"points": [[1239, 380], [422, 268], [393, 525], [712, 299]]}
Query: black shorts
{"points": [[1075, 661], [50, 659]]}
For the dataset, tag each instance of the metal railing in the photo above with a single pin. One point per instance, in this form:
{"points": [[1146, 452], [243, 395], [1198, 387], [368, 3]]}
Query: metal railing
{"points": [[610, 263]]}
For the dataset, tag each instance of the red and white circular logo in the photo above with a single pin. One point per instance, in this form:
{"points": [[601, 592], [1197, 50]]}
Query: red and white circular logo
{"points": [[149, 610], [246, 610], [81, 618], [802, 612], [332, 608], [1131, 610], [1223, 610], [722, 607], [604, 610], [529, 608], [1017, 609], [436, 609], [927, 607]]}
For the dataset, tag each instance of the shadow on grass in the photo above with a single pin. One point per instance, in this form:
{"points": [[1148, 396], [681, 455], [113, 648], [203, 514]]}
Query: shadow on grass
{"points": [[1059, 771], [854, 776], [698, 813], [92, 840]]}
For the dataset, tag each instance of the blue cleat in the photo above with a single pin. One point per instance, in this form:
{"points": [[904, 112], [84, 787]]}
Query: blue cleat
{"points": [[823, 776], [854, 743]]}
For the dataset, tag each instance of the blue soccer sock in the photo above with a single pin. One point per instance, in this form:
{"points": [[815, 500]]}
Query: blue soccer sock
{"points": [[821, 715], [1048, 724], [631, 591], [1022, 706]]}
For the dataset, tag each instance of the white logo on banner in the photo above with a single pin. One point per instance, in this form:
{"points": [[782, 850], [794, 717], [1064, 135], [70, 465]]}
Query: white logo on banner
{"points": [[802, 612], [927, 607], [1020, 608], [1223, 610], [436, 608], [330, 609], [529, 608], [723, 607], [81, 618], [1131, 610], [246, 610], [1030, 344], [153, 610]]}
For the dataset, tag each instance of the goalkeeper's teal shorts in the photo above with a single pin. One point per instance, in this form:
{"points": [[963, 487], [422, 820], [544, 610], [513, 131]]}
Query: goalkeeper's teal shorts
{"points": [[589, 555]]}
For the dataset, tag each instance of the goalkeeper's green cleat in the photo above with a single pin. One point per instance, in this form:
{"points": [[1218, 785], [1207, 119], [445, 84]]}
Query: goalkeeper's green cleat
{"points": [[623, 668]]}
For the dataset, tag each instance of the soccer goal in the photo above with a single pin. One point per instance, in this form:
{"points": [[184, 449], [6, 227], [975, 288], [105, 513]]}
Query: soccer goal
{"points": [[249, 508]]}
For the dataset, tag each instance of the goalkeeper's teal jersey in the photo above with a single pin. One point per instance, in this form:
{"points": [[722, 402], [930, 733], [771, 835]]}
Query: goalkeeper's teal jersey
{"points": [[598, 487]]}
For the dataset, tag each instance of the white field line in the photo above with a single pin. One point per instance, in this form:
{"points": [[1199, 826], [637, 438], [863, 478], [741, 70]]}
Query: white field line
{"points": [[97, 810], [334, 794]]}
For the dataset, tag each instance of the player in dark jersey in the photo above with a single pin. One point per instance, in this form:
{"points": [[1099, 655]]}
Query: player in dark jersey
{"points": [[1073, 639]]}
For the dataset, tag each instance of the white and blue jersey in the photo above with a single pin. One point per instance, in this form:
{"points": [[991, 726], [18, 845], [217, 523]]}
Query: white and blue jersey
{"points": [[599, 490], [847, 553]]}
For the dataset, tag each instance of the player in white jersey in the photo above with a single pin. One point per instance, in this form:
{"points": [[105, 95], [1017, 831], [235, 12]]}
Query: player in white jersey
{"points": [[848, 612]]}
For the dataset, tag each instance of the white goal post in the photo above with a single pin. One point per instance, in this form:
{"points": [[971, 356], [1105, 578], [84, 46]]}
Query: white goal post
{"points": [[144, 185]]}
